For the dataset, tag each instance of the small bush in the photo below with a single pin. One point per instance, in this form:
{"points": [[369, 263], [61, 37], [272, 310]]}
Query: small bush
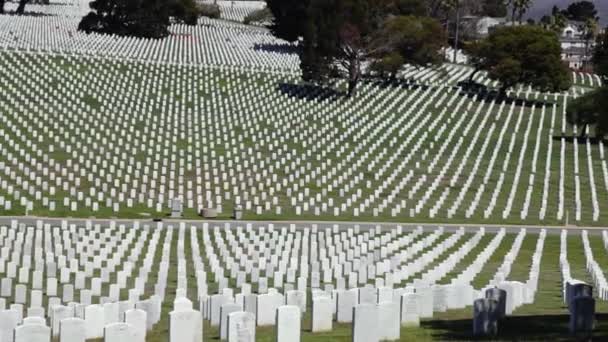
{"points": [[210, 11], [258, 17]]}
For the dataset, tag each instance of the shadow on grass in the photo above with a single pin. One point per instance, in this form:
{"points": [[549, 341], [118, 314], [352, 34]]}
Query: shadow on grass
{"points": [[29, 14], [285, 49], [579, 140], [484, 93], [518, 328], [310, 92]]}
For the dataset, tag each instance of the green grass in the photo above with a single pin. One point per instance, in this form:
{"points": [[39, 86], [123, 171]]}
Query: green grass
{"points": [[206, 92]]}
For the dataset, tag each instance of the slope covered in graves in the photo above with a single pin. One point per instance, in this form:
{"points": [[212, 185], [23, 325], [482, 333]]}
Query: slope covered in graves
{"points": [[87, 276], [88, 136]]}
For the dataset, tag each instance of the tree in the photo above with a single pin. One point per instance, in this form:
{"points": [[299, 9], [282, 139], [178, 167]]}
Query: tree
{"points": [[522, 55], [290, 18], [581, 11], [518, 9], [258, 16], [600, 55], [21, 6], [494, 8], [338, 46], [408, 40], [590, 32], [2, 6], [590, 109], [556, 22], [141, 18]]}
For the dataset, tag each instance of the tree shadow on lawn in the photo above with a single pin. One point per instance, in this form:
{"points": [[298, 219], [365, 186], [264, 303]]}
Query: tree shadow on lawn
{"points": [[29, 14], [310, 92], [285, 49], [518, 328], [409, 84], [579, 140], [486, 94]]}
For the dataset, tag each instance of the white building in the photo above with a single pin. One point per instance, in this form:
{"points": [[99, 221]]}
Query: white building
{"points": [[575, 50]]}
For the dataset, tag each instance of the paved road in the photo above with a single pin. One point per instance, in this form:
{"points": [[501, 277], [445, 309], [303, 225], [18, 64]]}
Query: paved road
{"points": [[31, 220]]}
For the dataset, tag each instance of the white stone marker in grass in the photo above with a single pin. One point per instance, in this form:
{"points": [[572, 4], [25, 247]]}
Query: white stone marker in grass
{"points": [[241, 327], [322, 319], [137, 318], [8, 322], [119, 332], [288, 323], [94, 318], [365, 323], [185, 326], [226, 310], [346, 300], [72, 330], [389, 325], [410, 308], [32, 333]]}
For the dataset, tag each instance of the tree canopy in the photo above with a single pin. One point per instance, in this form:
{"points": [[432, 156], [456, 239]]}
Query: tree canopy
{"points": [[494, 8], [518, 8], [336, 46], [522, 55], [141, 18], [600, 55], [21, 7], [581, 11], [591, 109]]}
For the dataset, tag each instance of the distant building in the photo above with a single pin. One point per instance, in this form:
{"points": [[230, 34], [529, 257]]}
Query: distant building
{"points": [[480, 27], [575, 50]]}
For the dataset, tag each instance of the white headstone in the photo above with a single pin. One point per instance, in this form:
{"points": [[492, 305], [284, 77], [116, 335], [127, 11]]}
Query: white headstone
{"points": [[241, 327], [288, 323], [185, 326], [119, 332], [365, 323], [322, 314], [32, 333], [72, 330], [137, 318]]}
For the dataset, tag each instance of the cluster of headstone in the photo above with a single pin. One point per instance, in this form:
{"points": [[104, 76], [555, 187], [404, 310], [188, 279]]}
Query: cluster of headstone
{"points": [[236, 10], [169, 136], [213, 42], [578, 295], [80, 282], [502, 297], [111, 279]]}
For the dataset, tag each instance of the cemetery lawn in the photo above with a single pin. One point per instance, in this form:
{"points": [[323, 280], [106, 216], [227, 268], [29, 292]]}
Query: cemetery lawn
{"points": [[292, 116], [545, 319]]}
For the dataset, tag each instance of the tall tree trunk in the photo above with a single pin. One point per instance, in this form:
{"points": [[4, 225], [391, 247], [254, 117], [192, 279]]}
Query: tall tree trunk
{"points": [[473, 75], [353, 76], [21, 7], [502, 92], [583, 134], [456, 36], [2, 6]]}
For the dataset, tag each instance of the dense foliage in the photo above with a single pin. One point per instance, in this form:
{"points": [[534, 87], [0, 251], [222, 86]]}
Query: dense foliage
{"points": [[522, 55], [258, 17], [141, 18], [581, 11], [385, 33], [591, 109]]}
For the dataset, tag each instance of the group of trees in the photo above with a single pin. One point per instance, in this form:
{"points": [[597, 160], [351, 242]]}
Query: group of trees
{"points": [[591, 109], [386, 34], [20, 7], [141, 18], [522, 55]]}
